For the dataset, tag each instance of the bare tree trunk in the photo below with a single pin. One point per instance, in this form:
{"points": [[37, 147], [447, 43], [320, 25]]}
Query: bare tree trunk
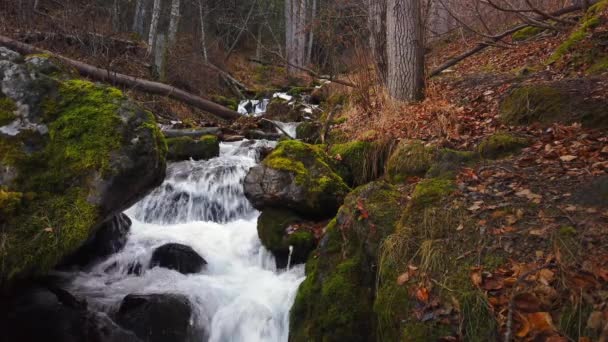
{"points": [[116, 16], [295, 33], [258, 48], [154, 25], [313, 14], [202, 13], [377, 38], [289, 37], [405, 50], [141, 7], [173, 23]]}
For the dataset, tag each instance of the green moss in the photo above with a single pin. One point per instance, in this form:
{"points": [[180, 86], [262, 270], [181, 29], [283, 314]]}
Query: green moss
{"points": [[297, 91], [355, 156], [599, 66], [7, 109], [528, 104], [500, 145], [410, 159], [431, 191], [527, 32], [590, 21], [309, 132], [9, 202], [183, 148], [272, 225], [55, 170]]}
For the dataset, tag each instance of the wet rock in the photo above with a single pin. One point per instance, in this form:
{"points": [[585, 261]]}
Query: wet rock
{"points": [[177, 257], [296, 176], [277, 232], [78, 152], [109, 239], [157, 317], [42, 314], [184, 148]]}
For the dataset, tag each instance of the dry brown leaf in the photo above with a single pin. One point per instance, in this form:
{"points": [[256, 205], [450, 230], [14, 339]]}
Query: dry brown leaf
{"points": [[567, 158], [527, 302], [403, 278], [422, 294], [476, 277]]}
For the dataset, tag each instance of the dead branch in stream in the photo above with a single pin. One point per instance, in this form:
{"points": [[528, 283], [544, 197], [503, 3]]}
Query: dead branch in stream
{"points": [[139, 84]]}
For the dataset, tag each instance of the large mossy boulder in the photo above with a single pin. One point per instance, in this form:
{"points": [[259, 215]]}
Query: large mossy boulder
{"points": [[335, 301], [299, 177], [409, 159], [184, 148], [284, 111], [564, 101], [75, 154], [278, 231]]}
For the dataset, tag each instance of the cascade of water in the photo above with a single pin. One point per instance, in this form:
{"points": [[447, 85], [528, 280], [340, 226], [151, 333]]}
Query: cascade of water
{"points": [[289, 257], [239, 296]]}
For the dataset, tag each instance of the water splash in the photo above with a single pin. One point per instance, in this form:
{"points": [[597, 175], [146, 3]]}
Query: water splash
{"points": [[239, 296]]}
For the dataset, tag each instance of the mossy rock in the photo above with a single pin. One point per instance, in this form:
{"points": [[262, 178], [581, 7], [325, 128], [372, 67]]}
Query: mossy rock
{"points": [[409, 159], [527, 33], [80, 153], [296, 176], [334, 303], [584, 46], [564, 101], [430, 191], [363, 161], [273, 230], [281, 110], [501, 145], [447, 163], [184, 148], [309, 132]]}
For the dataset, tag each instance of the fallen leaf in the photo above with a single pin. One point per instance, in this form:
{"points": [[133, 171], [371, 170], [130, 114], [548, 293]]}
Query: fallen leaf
{"points": [[460, 227], [48, 229], [540, 321], [567, 158], [422, 294], [546, 276], [527, 302], [403, 278], [476, 277]]}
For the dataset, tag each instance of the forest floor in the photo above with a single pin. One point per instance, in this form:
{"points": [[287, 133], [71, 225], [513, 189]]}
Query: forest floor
{"points": [[545, 210]]}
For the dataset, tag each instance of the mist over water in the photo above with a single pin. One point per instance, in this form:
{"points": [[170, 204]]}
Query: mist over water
{"points": [[239, 296]]}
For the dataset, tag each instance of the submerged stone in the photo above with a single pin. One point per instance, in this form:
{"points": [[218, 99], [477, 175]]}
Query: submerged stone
{"points": [[177, 257]]}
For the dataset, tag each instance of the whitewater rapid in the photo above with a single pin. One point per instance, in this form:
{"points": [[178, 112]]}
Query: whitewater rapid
{"points": [[239, 296]]}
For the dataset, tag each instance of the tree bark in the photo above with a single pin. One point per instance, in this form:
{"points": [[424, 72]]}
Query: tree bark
{"points": [[141, 8], [202, 13], [173, 23], [140, 84], [313, 13], [405, 50], [154, 25], [376, 21]]}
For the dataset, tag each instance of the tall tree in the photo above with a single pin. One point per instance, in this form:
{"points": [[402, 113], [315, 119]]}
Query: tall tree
{"points": [[154, 25], [376, 20], [173, 22], [405, 50], [141, 8], [295, 33]]}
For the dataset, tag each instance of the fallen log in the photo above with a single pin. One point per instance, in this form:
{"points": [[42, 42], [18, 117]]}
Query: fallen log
{"points": [[481, 46], [139, 84]]}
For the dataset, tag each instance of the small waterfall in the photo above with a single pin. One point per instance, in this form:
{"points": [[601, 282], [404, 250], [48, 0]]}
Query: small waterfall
{"points": [[289, 257], [288, 127], [239, 296]]}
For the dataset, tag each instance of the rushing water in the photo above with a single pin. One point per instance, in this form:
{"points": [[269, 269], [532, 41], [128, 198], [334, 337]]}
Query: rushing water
{"points": [[239, 296]]}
